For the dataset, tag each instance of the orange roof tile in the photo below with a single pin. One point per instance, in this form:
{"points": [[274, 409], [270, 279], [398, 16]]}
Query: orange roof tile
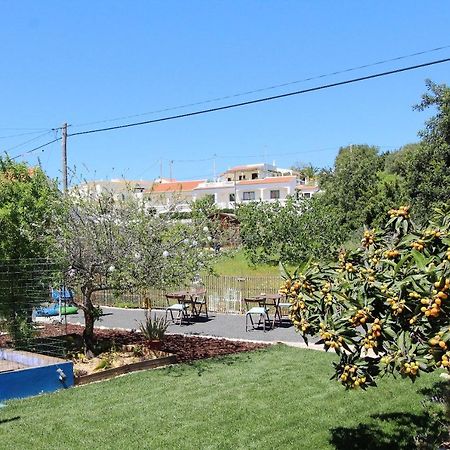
{"points": [[176, 186], [268, 180]]}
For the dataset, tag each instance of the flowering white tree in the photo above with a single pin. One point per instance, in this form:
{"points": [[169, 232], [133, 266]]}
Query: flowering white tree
{"points": [[111, 244]]}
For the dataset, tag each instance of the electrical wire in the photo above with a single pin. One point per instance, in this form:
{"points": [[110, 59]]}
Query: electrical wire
{"points": [[246, 103], [36, 148], [267, 88], [23, 129], [22, 134], [28, 141], [264, 99]]}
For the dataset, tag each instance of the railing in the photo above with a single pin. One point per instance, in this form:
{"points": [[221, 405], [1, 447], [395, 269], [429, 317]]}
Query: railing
{"points": [[225, 294]]}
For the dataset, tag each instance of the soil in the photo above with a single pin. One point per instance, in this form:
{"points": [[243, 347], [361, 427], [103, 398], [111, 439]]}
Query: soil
{"points": [[185, 348], [129, 354]]}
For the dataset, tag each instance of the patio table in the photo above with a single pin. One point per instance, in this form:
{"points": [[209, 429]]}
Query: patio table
{"points": [[275, 301], [191, 299], [198, 301]]}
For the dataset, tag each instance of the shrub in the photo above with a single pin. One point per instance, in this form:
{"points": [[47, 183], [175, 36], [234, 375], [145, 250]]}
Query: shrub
{"points": [[153, 329], [384, 307]]}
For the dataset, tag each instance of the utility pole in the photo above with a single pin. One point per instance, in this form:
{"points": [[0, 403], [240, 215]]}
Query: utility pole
{"points": [[235, 191], [170, 169], [64, 157]]}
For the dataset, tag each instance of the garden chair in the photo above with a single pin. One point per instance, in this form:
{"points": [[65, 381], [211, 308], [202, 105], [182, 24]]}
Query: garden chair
{"points": [[199, 302], [260, 310], [180, 307]]}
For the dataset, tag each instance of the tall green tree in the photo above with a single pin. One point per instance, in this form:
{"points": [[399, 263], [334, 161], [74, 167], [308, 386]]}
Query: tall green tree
{"points": [[29, 206], [428, 174], [398, 162], [349, 186], [290, 233], [385, 194], [29, 203]]}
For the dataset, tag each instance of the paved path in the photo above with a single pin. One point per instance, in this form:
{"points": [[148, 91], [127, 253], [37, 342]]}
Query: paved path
{"points": [[230, 326]]}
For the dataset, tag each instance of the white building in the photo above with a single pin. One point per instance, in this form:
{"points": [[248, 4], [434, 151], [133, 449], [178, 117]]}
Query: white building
{"points": [[240, 184], [119, 188]]}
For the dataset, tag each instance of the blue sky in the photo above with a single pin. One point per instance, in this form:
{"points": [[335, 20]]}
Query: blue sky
{"points": [[86, 61]]}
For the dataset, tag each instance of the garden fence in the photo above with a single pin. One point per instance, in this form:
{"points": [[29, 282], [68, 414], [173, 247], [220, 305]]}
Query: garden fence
{"points": [[24, 287], [225, 294]]}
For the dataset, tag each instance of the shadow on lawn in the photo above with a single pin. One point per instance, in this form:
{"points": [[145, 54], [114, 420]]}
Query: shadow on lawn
{"points": [[399, 431], [203, 366], [11, 419], [404, 432]]}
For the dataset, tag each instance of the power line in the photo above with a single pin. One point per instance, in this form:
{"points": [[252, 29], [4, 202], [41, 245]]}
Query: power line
{"points": [[22, 134], [249, 102], [28, 141], [23, 129], [37, 148], [267, 88], [275, 154], [261, 100]]}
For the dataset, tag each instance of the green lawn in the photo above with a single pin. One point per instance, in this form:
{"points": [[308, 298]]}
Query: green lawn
{"points": [[275, 398], [235, 264]]}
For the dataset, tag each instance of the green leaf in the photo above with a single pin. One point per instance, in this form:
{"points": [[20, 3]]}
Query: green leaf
{"points": [[405, 226], [389, 332], [283, 271], [402, 261], [401, 341], [419, 259]]}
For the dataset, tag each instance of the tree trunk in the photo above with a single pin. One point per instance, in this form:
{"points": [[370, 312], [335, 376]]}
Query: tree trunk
{"points": [[89, 319]]}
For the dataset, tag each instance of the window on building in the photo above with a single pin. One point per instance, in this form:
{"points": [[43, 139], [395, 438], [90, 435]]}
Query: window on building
{"points": [[275, 194], [307, 194], [254, 176], [232, 197], [248, 195], [240, 177], [229, 179]]}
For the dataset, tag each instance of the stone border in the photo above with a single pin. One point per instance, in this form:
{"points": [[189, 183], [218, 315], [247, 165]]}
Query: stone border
{"points": [[134, 367]]}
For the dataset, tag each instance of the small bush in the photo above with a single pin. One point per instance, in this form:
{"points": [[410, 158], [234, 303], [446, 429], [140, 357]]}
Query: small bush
{"points": [[153, 329]]}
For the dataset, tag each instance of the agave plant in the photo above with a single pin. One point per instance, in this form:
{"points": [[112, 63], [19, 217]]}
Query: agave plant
{"points": [[153, 328]]}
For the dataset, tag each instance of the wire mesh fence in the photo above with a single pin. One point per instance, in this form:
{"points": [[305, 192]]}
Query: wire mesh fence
{"points": [[25, 286]]}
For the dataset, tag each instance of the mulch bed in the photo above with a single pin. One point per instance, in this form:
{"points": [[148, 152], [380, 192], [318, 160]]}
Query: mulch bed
{"points": [[185, 348]]}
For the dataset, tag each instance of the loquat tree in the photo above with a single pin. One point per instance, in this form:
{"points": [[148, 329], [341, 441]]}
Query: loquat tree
{"points": [[384, 308]]}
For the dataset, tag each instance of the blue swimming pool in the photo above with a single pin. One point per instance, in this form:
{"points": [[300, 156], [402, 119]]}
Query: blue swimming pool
{"points": [[24, 374]]}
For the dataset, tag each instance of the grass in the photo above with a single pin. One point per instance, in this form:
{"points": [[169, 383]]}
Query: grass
{"points": [[235, 264], [276, 398]]}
